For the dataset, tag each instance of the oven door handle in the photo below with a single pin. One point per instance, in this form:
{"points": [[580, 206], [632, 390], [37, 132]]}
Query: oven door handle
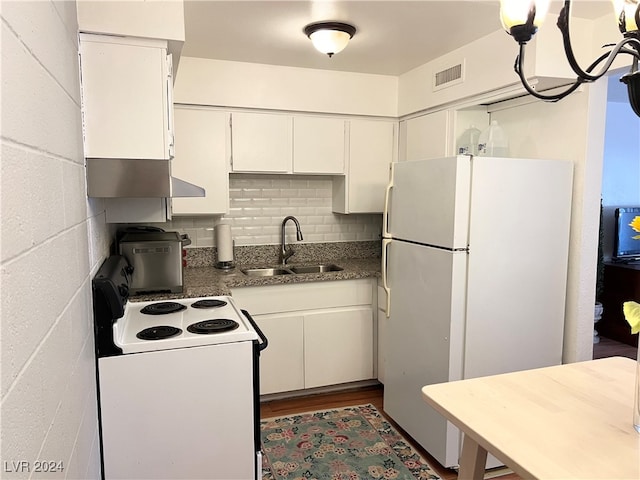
{"points": [[264, 342]]}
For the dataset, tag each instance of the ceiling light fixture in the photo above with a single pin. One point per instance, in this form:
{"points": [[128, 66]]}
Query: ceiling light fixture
{"points": [[521, 20], [329, 37]]}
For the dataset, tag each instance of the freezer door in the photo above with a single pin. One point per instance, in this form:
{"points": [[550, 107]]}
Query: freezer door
{"points": [[429, 201], [424, 340]]}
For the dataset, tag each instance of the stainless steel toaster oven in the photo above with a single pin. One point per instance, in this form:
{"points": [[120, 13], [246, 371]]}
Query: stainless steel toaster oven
{"points": [[156, 258]]}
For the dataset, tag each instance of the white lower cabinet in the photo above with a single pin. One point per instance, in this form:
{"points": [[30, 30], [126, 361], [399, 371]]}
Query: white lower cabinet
{"points": [[338, 346], [320, 333], [282, 362]]}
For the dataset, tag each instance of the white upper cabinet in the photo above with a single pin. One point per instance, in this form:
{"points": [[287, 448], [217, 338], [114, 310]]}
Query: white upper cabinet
{"points": [[318, 145], [201, 158], [261, 142], [427, 136], [282, 143], [126, 97], [372, 148]]}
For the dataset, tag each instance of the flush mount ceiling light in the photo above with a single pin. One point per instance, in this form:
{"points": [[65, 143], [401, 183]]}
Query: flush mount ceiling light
{"points": [[521, 20], [329, 37]]}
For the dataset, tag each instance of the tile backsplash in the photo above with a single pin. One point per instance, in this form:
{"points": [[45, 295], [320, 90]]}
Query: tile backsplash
{"points": [[258, 204]]}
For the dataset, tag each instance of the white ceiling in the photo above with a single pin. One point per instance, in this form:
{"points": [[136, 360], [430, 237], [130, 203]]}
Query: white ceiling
{"points": [[392, 37]]}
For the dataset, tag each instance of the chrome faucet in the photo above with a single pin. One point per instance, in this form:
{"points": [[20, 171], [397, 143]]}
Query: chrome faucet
{"points": [[284, 253]]}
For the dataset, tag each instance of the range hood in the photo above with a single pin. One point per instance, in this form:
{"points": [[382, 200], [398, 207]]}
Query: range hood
{"points": [[119, 178]]}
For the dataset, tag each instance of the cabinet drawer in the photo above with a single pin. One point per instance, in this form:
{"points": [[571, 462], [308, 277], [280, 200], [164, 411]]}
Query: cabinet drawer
{"points": [[303, 296]]}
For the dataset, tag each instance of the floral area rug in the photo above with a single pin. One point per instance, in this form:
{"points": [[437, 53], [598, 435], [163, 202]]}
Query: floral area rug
{"points": [[353, 443]]}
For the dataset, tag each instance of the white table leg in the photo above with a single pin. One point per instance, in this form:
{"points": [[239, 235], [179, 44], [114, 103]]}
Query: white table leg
{"points": [[472, 461]]}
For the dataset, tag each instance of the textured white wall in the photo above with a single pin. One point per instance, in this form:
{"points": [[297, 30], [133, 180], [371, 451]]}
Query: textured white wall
{"points": [[259, 203], [52, 241]]}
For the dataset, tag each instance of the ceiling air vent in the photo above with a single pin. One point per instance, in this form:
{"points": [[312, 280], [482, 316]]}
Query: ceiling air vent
{"points": [[448, 77]]}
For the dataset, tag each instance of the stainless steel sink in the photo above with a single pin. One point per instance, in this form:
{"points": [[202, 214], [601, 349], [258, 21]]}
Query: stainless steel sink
{"points": [[266, 272], [315, 268], [289, 270]]}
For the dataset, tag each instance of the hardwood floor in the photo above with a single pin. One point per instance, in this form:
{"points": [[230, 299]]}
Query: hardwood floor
{"points": [[610, 348], [374, 395], [322, 401]]}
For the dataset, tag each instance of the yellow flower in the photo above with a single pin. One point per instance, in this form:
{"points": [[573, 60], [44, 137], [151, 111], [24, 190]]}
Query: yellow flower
{"points": [[632, 315], [635, 224]]}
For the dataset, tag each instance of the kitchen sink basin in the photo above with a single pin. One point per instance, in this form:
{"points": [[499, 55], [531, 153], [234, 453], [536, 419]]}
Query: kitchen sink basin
{"points": [[289, 270], [266, 272], [315, 268]]}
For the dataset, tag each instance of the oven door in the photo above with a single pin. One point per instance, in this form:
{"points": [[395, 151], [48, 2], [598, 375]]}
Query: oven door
{"points": [[180, 414]]}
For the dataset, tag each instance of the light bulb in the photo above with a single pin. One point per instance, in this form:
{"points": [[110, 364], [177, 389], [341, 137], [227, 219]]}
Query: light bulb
{"points": [[329, 41], [516, 12], [631, 10]]}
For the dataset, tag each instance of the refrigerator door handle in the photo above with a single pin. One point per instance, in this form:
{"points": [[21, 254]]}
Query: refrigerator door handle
{"points": [[385, 212], [385, 285]]}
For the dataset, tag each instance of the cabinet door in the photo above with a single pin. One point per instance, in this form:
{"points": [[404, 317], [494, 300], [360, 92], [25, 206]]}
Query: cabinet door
{"points": [[201, 158], [318, 145], [282, 362], [371, 152], [261, 142], [338, 346], [125, 98], [426, 136]]}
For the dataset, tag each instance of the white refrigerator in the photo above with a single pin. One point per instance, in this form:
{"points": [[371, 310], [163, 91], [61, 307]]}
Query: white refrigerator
{"points": [[474, 264]]}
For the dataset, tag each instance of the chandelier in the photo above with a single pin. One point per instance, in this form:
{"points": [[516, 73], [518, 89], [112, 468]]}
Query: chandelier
{"points": [[521, 20]]}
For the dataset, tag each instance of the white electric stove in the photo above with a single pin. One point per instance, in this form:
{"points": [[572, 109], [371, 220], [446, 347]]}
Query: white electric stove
{"points": [[189, 322], [178, 384]]}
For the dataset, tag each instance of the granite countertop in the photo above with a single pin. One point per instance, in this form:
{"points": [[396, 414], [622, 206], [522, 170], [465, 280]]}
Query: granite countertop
{"points": [[208, 281]]}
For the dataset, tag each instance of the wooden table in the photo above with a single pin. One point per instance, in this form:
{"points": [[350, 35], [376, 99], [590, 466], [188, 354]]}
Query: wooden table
{"points": [[570, 421]]}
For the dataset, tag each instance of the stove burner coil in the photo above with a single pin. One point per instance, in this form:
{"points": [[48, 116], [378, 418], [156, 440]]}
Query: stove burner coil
{"points": [[158, 333], [162, 308], [216, 325], [209, 303]]}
